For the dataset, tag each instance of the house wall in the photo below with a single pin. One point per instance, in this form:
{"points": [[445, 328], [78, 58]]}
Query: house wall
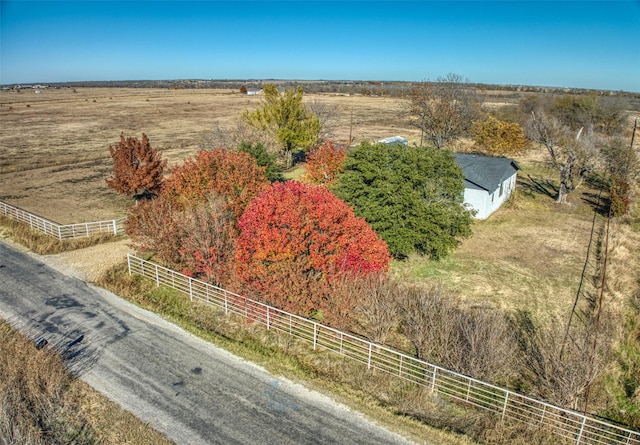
{"points": [[486, 203]]}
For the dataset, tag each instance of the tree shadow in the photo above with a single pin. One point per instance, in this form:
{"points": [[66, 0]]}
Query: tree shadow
{"points": [[598, 199], [598, 202], [541, 187]]}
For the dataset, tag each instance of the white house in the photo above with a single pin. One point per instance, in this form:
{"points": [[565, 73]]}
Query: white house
{"points": [[488, 181]]}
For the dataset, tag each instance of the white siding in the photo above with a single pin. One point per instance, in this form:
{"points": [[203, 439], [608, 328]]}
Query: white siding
{"points": [[486, 203]]}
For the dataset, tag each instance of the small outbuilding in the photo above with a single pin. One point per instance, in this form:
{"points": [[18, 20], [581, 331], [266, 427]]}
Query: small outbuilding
{"points": [[488, 182], [393, 140]]}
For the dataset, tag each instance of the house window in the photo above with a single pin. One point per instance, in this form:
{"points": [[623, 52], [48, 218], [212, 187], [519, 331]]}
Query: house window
{"points": [[501, 188], [492, 196]]}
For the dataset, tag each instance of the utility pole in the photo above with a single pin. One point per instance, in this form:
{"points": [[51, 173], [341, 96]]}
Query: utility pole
{"points": [[633, 134]]}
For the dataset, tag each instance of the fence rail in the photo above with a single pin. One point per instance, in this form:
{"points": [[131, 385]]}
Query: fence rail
{"points": [[62, 231], [574, 427]]}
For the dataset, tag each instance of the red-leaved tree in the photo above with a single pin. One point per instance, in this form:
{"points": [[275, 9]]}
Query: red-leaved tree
{"points": [[198, 240], [324, 163], [233, 176], [155, 226], [294, 239], [137, 168], [207, 241]]}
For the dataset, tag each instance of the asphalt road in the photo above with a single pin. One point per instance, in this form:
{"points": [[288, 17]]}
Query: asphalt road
{"points": [[190, 390]]}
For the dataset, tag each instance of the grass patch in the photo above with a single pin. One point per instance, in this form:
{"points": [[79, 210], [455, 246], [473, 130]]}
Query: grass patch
{"points": [[43, 244], [295, 172], [528, 255], [42, 403]]}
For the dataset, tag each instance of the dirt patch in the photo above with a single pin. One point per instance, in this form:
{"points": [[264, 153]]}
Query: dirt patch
{"points": [[90, 263]]}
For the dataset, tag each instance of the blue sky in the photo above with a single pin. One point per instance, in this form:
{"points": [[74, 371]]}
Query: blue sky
{"points": [[581, 44]]}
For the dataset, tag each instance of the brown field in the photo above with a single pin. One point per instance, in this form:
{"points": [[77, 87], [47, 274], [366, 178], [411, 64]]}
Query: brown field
{"points": [[54, 146]]}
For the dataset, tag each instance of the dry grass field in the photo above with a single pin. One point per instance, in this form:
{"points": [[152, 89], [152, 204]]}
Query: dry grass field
{"points": [[42, 403], [54, 145]]}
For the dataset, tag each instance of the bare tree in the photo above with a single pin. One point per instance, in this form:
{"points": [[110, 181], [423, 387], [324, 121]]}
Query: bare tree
{"points": [[232, 136], [557, 373], [476, 342], [571, 154], [487, 343], [443, 110], [377, 310], [328, 116], [430, 322]]}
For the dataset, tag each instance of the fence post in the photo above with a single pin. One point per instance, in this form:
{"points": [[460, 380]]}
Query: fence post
{"points": [[267, 318], [59, 233], [190, 289], [579, 438], [86, 229], [129, 263], [369, 358], [504, 406], [226, 305], [433, 379], [157, 278], [315, 335]]}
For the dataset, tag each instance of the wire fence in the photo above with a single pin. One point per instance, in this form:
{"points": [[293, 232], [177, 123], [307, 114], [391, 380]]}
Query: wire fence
{"points": [[570, 425], [63, 231]]}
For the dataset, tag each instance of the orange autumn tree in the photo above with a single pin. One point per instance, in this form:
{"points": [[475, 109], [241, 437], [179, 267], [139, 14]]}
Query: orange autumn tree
{"points": [[191, 226], [498, 138], [233, 176], [294, 239], [324, 163], [137, 168]]}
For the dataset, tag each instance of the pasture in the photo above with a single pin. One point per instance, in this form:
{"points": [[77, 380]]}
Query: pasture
{"points": [[54, 145]]}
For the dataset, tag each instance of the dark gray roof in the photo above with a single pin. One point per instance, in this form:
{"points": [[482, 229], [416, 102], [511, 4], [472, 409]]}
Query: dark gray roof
{"points": [[486, 172]]}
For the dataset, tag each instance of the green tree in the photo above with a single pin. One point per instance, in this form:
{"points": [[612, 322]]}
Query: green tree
{"points": [[263, 158], [286, 120], [411, 196]]}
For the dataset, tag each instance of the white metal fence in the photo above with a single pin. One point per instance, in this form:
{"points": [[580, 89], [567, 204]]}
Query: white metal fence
{"points": [[570, 425], [62, 231]]}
